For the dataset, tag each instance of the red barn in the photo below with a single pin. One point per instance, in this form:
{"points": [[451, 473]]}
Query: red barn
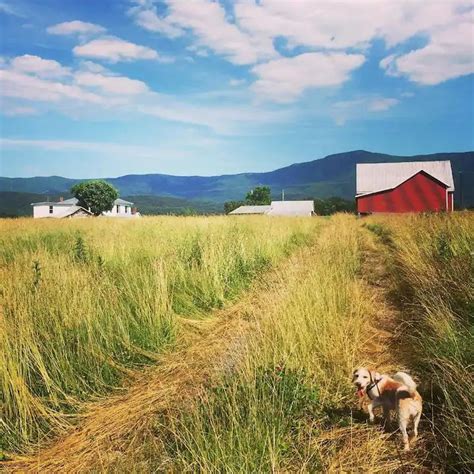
{"points": [[418, 186]]}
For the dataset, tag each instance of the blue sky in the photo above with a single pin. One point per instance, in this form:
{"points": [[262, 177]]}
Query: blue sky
{"points": [[112, 87]]}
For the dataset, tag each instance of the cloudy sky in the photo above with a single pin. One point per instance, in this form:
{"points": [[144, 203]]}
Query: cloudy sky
{"points": [[112, 87]]}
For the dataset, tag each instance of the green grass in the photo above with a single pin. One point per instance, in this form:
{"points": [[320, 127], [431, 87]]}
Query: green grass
{"points": [[82, 302], [434, 272], [292, 381]]}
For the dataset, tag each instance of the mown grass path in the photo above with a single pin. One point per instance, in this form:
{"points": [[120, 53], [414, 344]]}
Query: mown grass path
{"points": [[381, 349], [208, 348]]}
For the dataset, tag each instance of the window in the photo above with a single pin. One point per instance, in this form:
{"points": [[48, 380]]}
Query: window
{"points": [[51, 209], [126, 209], [118, 208]]}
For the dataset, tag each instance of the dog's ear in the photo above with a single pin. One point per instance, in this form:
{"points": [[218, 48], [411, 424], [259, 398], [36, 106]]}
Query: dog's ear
{"points": [[377, 377]]}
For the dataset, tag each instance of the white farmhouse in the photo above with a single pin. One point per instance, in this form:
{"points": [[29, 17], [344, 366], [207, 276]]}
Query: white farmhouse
{"points": [[70, 208], [278, 208]]}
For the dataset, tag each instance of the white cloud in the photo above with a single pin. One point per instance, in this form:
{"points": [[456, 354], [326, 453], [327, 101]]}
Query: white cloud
{"points": [[93, 67], [237, 82], [207, 20], [111, 84], [381, 104], [64, 145], [23, 86], [75, 27], [149, 20], [19, 111], [245, 34], [346, 23], [114, 49], [449, 54], [361, 108], [8, 9], [99, 92], [285, 79], [39, 66]]}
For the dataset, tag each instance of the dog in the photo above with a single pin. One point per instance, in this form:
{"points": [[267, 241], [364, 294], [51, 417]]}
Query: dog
{"points": [[391, 393]]}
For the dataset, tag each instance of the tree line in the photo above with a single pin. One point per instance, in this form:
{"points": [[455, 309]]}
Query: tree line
{"points": [[261, 196]]}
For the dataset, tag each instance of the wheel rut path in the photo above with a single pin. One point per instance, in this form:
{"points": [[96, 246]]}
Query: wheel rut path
{"points": [[206, 350]]}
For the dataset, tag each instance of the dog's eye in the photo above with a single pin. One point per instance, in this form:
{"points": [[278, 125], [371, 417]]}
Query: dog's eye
{"points": [[365, 377]]}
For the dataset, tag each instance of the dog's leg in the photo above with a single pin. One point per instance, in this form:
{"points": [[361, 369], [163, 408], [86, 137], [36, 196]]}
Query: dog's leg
{"points": [[386, 417], [370, 409], [402, 423], [416, 421]]}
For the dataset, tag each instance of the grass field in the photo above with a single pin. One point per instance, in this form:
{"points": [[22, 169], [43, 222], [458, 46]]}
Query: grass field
{"points": [[82, 302], [266, 388]]}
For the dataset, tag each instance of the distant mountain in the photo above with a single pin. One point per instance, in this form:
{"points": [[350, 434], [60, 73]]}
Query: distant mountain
{"points": [[333, 175]]}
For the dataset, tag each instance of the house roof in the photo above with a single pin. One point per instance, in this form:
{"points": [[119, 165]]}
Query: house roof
{"points": [[250, 210], [291, 208], [70, 211], [73, 201], [376, 177], [122, 202]]}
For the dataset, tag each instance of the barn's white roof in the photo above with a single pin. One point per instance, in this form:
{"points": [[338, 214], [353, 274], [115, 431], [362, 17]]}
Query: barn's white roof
{"points": [[291, 208], [375, 177], [250, 210]]}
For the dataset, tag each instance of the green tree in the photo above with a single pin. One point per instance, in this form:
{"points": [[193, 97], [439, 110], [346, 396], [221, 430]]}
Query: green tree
{"points": [[97, 195], [260, 195], [229, 206], [328, 206]]}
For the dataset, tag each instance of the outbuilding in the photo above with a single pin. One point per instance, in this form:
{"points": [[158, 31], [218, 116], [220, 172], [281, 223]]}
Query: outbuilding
{"points": [[278, 208], [418, 186]]}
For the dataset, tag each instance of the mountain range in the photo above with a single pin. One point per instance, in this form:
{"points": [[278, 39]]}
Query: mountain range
{"points": [[333, 175]]}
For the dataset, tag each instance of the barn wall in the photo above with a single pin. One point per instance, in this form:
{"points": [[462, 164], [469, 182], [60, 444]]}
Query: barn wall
{"points": [[420, 193], [450, 201]]}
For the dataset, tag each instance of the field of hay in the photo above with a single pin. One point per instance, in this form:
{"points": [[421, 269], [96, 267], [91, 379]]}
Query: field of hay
{"points": [[246, 331]]}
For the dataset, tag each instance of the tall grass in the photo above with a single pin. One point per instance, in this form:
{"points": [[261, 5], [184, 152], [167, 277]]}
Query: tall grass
{"points": [[434, 270], [292, 382], [83, 302]]}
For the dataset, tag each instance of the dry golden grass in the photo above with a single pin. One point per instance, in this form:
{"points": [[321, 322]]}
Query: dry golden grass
{"points": [[117, 430], [433, 280], [84, 302], [264, 385]]}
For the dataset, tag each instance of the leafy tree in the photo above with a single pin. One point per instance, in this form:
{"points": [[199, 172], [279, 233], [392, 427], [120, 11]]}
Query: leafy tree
{"points": [[326, 207], [229, 206], [98, 195], [260, 195]]}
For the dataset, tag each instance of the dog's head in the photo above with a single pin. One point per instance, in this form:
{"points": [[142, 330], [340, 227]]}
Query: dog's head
{"points": [[362, 378]]}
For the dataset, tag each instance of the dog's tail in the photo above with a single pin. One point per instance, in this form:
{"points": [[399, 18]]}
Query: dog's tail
{"points": [[406, 380]]}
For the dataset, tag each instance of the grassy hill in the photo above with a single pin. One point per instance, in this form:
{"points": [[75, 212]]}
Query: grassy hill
{"points": [[333, 175]]}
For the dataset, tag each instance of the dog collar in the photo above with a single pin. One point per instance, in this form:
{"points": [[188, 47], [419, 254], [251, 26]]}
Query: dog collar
{"points": [[371, 386]]}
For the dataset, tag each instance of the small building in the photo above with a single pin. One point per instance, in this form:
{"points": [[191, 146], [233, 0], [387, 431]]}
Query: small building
{"points": [[292, 208], [250, 210], [69, 208], [418, 186], [278, 208]]}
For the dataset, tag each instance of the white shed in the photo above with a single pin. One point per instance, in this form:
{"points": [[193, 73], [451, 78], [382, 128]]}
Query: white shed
{"points": [[247, 210], [278, 208], [292, 208]]}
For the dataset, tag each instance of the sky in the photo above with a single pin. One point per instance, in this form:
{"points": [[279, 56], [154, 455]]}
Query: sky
{"points": [[103, 88]]}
